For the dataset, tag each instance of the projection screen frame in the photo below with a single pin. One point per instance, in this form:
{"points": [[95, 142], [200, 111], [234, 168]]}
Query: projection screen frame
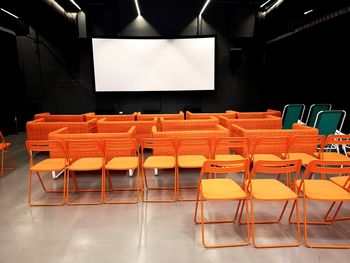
{"points": [[214, 36]]}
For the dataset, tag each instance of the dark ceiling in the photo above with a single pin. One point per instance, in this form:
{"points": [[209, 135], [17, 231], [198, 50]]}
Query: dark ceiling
{"points": [[44, 16]]}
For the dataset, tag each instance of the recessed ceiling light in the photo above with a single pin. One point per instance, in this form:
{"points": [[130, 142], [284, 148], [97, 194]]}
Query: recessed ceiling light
{"points": [[9, 13], [204, 7]]}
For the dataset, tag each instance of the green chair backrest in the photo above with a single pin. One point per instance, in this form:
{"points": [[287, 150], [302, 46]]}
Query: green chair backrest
{"points": [[314, 109], [327, 122], [292, 113]]}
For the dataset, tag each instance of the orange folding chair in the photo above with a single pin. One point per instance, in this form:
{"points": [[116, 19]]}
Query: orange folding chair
{"points": [[121, 155], [191, 154], [272, 190], [158, 153], [344, 182], [84, 156], [5, 149], [322, 190], [305, 147], [270, 149], [221, 189], [47, 166], [335, 140]]}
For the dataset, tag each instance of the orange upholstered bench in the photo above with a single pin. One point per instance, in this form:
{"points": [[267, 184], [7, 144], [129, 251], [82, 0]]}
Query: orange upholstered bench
{"points": [[259, 122], [253, 115], [191, 116], [60, 117], [115, 117], [189, 125], [212, 132], [170, 116], [39, 129], [64, 134], [143, 129], [253, 134]]}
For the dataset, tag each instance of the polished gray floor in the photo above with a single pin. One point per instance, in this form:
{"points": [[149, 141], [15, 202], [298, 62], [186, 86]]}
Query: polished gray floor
{"points": [[140, 232]]}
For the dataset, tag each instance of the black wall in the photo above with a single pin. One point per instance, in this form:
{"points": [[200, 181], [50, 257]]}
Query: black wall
{"points": [[12, 98], [57, 69], [309, 66]]}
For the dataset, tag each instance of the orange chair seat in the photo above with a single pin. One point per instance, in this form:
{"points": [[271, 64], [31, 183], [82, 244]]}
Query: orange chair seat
{"points": [[4, 145], [341, 180], [271, 189], [304, 157], [265, 157], [334, 156], [87, 164], [191, 161], [161, 162], [222, 188], [228, 157], [47, 165], [324, 190], [122, 163]]}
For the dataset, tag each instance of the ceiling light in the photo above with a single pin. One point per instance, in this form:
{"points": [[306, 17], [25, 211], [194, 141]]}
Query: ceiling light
{"points": [[9, 13], [268, 1], [309, 11], [137, 7], [204, 7], [76, 5]]}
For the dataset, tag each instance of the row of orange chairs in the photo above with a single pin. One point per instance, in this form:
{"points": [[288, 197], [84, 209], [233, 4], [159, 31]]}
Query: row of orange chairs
{"points": [[123, 154], [255, 189]]}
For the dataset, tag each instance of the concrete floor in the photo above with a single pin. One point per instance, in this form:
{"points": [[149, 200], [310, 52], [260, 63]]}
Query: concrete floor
{"points": [[143, 232]]}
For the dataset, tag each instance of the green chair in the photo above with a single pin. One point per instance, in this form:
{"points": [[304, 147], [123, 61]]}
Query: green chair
{"points": [[330, 122], [292, 113], [314, 109]]}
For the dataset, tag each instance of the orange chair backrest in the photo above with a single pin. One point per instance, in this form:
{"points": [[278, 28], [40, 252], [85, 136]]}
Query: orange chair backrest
{"points": [[120, 147], [159, 146], [225, 167], [337, 139], [194, 146], [231, 145], [276, 167], [271, 145], [327, 167], [44, 146], [77, 149], [305, 143]]}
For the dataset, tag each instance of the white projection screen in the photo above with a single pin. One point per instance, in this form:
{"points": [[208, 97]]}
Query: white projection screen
{"points": [[154, 64]]}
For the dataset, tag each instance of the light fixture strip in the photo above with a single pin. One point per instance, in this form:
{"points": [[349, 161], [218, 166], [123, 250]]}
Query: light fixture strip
{"points": [[309, 11], [76, 5], [204, 7], [137, 7], [268, 1], [9, 13]]}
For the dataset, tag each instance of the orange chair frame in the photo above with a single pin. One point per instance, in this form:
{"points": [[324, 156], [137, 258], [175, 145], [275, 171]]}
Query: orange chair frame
{"points": [[322, 167], [274, 167], [45, 146], [113, 148], [79, 149], [222, 167], [158, 144], [190, 143]]}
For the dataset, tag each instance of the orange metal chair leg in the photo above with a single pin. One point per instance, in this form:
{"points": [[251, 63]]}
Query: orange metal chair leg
{"points": [[306, 239], [270, 222], [203, 222]]}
